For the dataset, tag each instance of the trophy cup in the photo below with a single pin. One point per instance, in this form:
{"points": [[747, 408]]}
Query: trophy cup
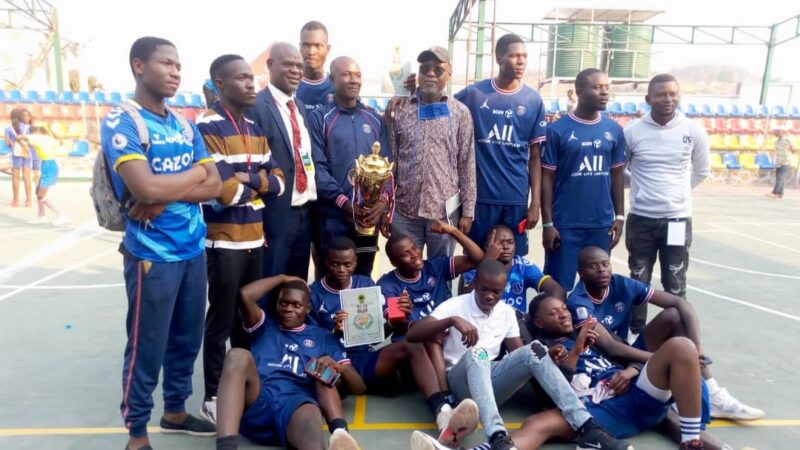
{"points": [[369, 179]]}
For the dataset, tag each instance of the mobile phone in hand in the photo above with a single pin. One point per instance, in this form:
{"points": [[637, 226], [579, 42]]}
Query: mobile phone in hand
{"points": [[328, 377]]}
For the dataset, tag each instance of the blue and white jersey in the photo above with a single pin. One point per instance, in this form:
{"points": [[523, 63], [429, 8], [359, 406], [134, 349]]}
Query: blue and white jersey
{"points": [[325, 303], [315, 94], [281, 354], [614, 309], [523, 275], [506, 123], [592, 363], [582, 154], [178, 233], [427, 290]]}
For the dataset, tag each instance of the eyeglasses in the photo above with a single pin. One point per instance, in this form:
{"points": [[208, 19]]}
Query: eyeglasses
{"points": [[438, 70]]}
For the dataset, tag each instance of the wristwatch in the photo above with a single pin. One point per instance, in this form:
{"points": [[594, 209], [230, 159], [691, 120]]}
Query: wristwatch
{"points": [[619, 217]]}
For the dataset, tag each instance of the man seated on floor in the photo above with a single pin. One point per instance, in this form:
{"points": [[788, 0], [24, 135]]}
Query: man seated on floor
{"points": [[379, 367], [478, 324], [609, 298], [625, 405], [272, 396], [522, 274]]}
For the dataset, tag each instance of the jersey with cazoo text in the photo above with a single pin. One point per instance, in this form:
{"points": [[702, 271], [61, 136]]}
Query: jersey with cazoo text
{"points": [[178, 233]]}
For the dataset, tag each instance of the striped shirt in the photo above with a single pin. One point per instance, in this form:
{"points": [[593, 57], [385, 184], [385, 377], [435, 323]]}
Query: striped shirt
{"points": [[234, 219]]}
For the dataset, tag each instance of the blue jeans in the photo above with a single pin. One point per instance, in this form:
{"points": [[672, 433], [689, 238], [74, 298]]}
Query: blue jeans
{"points": [[490, 383], [419, 230], [781, 173]]}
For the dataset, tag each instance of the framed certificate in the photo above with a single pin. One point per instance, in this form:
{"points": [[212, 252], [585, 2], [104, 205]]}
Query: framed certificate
{"points": [[364, 324]]}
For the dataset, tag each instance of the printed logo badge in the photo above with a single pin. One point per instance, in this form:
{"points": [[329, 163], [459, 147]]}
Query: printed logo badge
{"points": [[119, 141], [543, 123], [308, 343], [619, 307], [521, 110], [366, 128], [608, 320], [329, 98], [582, 313], [516, 288], [293, 347], [485, 104], [572, 137], [432, 281], [597, 143], [607, 135]]}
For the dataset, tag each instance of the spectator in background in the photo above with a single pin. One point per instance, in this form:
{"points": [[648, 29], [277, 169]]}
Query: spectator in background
{"points": [[783, 149], [571, 101], [668, 156], [434, 146], [36, 160], [43, 147], [21, 158], [210, 93]]}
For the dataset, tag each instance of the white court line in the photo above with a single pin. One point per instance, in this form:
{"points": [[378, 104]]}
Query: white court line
{"points": [[65, 242], [739, 269], [744, 222], [726, 298], [56, 274], [63, 286], [753, 238], [23, 233], [737, 221]]}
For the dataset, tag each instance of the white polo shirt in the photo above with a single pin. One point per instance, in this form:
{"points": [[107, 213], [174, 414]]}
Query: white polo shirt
{"points": [[492, 328], [666, 162]]}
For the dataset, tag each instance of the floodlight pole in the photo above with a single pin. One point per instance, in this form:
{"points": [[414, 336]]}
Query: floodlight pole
{"points": [[768, 65], [57, 52]]}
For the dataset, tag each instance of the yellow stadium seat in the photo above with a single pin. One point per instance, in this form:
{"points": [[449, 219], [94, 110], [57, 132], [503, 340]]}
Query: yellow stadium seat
{"points": [[732, 142], [719, 170], [749, 142], [76, 130], [59, 129], [716, 142]]}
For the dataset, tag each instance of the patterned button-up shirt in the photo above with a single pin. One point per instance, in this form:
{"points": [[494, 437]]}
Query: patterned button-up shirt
{"points": [[783, 147], [434, 160]]}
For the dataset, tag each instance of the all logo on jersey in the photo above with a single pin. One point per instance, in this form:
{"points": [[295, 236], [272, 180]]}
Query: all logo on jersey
{"points": [[119, 141], [521, 110], [501, 134], [366, 128], [591, 163]]}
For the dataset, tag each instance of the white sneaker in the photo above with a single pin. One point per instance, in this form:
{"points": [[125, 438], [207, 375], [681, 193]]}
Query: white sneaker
{"points": [[726, 406], [61, 219], [422, 441], [341, 440], [458, 423], [209, 410], [39, 220]]}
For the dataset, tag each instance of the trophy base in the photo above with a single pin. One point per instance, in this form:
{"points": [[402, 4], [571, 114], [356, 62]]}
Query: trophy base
{"points": [[361, 231]]}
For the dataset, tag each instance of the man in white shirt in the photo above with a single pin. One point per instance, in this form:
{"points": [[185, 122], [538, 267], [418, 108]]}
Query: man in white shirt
{"points": [[287, 218], [478, 324], [668, 156]]}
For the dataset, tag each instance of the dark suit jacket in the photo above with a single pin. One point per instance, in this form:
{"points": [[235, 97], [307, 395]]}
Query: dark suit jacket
{"points": [[268, 117]]}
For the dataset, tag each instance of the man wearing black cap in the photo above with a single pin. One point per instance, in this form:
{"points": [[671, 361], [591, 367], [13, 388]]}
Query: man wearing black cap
{"points": [[432, 139]]}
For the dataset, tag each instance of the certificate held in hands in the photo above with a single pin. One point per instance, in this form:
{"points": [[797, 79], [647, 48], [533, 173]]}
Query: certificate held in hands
{"points": [[364, 324]]}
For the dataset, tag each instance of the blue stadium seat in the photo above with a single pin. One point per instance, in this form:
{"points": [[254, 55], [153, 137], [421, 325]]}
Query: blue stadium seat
{"points": [[3, 96], [114, 97], [735, 111], [690, 110], [50, 97], [644, 106], [614, 108], [731, 161], [80, 148], [178, 100], [4, 149], [629, 108], [84, 96], [554, 107], [762, 159], [14, 95], [762, 110], [794, 111], [32, 96], [749, 111], [99, 97], [197, 101], [778, 110], [705, 110], [129, 94], [67, 97], [721, 111]]}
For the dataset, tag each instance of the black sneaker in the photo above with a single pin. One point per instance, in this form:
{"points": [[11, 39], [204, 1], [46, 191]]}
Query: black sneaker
{"points": [[503, 442], [694, 444], [591, 436], [191, 426]]}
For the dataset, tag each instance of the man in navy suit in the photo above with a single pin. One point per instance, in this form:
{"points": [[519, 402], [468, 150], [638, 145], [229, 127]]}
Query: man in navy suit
{"points": [[287, 219]]}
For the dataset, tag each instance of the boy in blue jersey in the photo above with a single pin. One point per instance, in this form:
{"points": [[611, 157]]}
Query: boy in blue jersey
{"points": [[379, 367], [522, 274], [609, 298], [582, 180], [164, 265], [315, 89], [625, 401], [340, 133], [509, 121], [271, 396]]}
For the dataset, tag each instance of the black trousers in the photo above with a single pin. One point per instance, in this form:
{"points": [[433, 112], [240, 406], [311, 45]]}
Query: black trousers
{"points": [[228, 271], [646, 239], [288, 251]]}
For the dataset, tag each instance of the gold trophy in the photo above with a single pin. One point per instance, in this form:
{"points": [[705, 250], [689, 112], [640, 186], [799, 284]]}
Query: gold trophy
{"points": [[369, 178]]}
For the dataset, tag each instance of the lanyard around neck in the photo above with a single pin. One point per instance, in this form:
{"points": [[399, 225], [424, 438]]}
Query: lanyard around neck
{"points": [[246, 144]]}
